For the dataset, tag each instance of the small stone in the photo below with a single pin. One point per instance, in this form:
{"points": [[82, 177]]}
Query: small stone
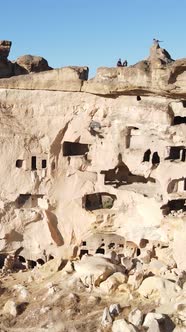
{"points": [[51, 291], [127, 263], [73, 297], [154, 326], [22, 291], [106, 318], [30, 279], [151, 316], [114, 309], [135, 280], [44, 310], [10, 308], [136, 317], [93, 300]]}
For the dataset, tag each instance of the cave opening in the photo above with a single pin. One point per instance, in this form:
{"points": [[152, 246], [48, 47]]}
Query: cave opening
{"points": [[74, 149], [43, 163], [22, 259], [100, 251], [19, 163], [40, 261], [146, 156], [155, 158], [179, 120], [33, 163], [83, 252], [98, 201]]}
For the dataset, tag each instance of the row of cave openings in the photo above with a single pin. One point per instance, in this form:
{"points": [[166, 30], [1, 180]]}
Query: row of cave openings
{"points": [[109, 243], [21, 262], [34, 163], [79, 149], [174, 153]]}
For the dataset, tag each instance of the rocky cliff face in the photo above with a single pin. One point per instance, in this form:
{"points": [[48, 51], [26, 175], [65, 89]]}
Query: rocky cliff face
{"points": [[94, 166], [66, 140]]}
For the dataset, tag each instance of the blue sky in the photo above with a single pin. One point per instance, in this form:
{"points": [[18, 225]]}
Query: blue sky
{"points": [[93, 33]]}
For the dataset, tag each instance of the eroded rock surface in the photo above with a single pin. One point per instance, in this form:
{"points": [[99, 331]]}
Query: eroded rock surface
{"points": [[93, 192]]}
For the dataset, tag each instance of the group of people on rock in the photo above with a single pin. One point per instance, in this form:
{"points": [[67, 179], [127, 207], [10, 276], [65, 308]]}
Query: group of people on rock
{"points": [[120, 64]]}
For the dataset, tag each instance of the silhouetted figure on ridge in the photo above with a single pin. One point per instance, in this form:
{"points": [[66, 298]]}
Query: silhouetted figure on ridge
{"points": [[156, 41], [119, 63]]}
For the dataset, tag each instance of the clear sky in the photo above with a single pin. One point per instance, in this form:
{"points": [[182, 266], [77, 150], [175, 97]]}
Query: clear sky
{"points": [[93, 33]]}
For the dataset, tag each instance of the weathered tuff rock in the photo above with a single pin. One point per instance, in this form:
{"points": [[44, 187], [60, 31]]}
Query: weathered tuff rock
{"points": [[23, 65], [93, 166], [28, 63]]}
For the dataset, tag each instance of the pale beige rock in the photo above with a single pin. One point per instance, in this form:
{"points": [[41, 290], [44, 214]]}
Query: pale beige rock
{"points": [[94, 270], [121, 325], [154, 327], [158, 287], [136, 317], [151, 317], [29, 63], [179, 246], [62, 79], [10, 307], [112, 282], [135, 280], [106, 318]]}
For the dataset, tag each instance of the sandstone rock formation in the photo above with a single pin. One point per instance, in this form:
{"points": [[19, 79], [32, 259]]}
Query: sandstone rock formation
{"points": [[28, 63], [23, 65], [97, 167]]}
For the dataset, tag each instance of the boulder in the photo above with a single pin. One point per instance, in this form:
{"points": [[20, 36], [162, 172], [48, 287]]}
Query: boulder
{"points": [[120, 325], [10, 307], [159, 287], [112, 282], [95, 269], [53, 266], [179, 247], [150, 317], [136, 317], [29, 63], [154, 327]]}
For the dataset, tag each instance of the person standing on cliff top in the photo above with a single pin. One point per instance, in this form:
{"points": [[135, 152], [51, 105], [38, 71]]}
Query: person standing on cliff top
{"points": [[156, 41]]}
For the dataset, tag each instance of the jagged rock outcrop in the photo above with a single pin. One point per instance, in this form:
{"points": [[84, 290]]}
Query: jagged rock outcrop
{"points": [[159, 56], [30, 64], [23, 65]]}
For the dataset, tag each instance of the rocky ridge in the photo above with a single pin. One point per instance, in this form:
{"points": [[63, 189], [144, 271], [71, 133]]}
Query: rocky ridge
{"points": [[92, 197]]}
